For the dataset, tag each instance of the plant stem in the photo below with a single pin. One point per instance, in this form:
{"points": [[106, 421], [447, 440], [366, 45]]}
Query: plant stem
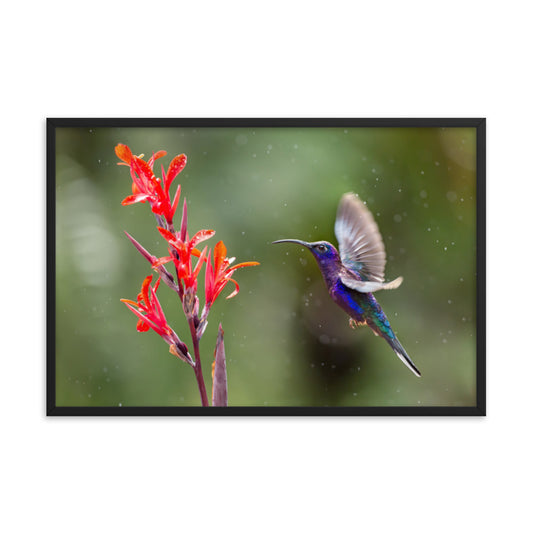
{"points": [[198, 364]]}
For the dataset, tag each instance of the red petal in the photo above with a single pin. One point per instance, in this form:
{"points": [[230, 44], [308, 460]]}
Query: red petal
{"points": [[144, 289], [236, 291], [175, 202], [158, 309], [137, 185], [167, 235], [142, 326], [123, 152], [209, 280], [240, 265], [135, 198], [142, 168], [161, 261], [201, 236], [219, 254], [157, 155], [219, 287], [131, 302], [183, 230], [199, 264], [175, 167]]}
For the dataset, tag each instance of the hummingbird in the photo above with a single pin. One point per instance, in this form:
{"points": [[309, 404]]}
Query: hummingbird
{"points": [[357, 270]]}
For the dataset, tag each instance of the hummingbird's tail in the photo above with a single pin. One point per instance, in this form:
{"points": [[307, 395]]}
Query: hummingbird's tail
{"points": [[381, 328], [402, 354]]}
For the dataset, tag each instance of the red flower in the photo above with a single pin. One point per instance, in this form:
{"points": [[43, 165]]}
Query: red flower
{"points": [[217, 277], [146, 187], [185, 249], [148, 304]]}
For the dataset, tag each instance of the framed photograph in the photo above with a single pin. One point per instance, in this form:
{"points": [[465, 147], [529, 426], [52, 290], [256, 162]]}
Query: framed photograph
{"points": [[266, 266]]}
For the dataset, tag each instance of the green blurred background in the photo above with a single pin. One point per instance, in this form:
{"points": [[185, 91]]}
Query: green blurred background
{"points": [[286, 343]]}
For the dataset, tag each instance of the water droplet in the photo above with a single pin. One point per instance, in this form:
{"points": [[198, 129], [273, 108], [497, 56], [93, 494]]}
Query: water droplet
{"points": [[423, 194], [422, 172], [451, 195], [397, 218]]}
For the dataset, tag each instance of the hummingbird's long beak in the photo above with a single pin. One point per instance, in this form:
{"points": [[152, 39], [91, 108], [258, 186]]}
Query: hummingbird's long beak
{"points": [[297, 241]]}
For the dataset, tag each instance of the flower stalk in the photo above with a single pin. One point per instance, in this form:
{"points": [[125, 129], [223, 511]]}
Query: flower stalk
{"points": [[147, 188]]}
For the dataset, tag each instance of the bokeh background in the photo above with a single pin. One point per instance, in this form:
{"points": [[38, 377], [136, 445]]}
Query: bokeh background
{"points": [[286, 343]]}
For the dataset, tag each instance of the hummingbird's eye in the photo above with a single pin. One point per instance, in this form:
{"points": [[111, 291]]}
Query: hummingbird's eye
{"points": [[321, 248]]}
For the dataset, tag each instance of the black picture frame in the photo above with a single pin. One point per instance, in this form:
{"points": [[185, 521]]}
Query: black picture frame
{"points": [[52, 124]]}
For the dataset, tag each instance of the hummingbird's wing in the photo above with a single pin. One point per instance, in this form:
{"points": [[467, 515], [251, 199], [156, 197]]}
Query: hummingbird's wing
{"points": [[361, 247], [351, 281]]}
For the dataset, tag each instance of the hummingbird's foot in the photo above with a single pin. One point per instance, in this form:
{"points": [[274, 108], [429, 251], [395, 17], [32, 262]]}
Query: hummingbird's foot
{"points": [[354, 323]]}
